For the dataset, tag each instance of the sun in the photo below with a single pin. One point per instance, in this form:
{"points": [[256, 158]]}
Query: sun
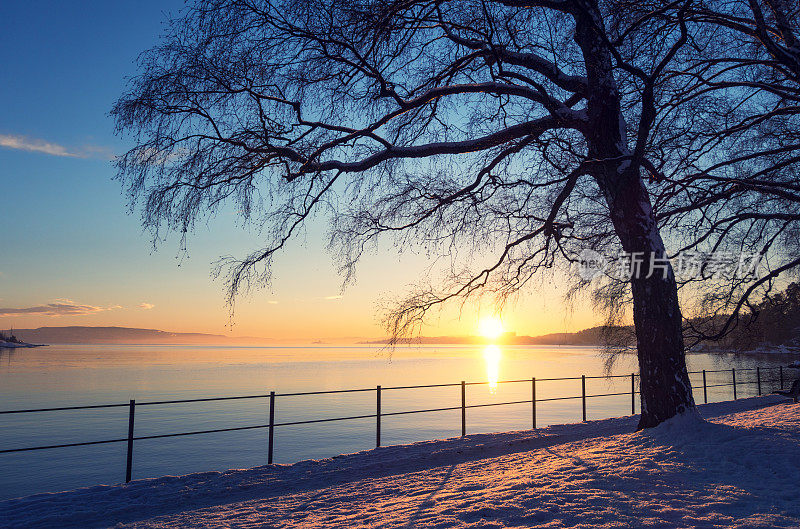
{"points": [[490, 327]]}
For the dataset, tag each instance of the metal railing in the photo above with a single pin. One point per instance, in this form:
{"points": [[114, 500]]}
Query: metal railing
{"points": [[379, 414]]}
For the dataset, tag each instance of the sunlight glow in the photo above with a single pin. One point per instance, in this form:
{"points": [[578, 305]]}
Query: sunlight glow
{"points": [[492, 356], [490, 327]]}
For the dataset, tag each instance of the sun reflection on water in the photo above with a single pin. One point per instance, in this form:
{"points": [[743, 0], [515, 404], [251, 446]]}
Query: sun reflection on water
{"points": [[492, 357]]}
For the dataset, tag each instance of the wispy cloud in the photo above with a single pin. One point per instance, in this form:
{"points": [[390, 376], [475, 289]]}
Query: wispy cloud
{"points": [[25, 143], [272, 302], [329, 298], [60, 307], [146, 306]]}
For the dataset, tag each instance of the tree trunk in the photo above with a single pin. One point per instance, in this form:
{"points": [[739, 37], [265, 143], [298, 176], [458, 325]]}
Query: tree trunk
{"points": [[665, 387]]}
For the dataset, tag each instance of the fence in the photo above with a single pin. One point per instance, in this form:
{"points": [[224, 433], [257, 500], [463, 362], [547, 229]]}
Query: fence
{"points": [[378, 415]]}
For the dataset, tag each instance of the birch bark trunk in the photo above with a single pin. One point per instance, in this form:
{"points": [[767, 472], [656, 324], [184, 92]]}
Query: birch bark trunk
{"points": [[665, 387]]}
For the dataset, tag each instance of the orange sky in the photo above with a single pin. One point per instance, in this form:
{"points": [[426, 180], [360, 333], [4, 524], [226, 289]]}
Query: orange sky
{"points": [[304, 304]]}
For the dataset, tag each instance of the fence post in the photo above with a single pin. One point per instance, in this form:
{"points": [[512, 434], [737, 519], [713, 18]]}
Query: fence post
{"points": [[129, 463], [705, 387], [271, 426], [758, 379], [463, 408], [781, 368], [533, 401], [378, 419], [583, 395], [633, 393], [733, 374]]}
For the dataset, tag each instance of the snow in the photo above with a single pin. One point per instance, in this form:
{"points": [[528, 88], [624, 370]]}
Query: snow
{"points": [[11, 345], [762, 349], [775, 349], [15, 345], [739, 469]]}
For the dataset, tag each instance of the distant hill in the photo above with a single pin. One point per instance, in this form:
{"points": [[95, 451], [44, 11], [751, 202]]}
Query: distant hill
{"points": [[121, 335], [591, 336], [772, 326]]}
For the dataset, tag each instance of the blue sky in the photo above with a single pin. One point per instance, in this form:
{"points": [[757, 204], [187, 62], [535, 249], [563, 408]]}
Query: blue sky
{"points": [[71, 252]]}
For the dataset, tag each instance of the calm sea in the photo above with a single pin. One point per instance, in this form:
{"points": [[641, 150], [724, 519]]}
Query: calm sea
{"points": [[74, 375]]}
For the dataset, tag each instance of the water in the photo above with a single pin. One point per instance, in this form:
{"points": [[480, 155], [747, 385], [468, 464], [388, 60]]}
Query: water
{"points": [[101, 374]]}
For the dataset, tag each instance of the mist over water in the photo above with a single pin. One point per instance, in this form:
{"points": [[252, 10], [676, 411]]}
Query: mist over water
{"points": [[106, 374]]}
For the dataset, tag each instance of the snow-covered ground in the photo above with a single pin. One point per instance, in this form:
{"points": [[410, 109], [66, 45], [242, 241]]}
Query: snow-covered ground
{"points": [[740, 469]]}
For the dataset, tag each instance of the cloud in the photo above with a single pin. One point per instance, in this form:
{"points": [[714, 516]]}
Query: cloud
{"points": [[24, 143], [272, 302], [329, 298], [61, 307], [146, 306]]}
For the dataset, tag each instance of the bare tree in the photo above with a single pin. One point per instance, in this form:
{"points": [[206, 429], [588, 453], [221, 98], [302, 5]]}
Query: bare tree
{"points": [[512, 132], [731, 183]]}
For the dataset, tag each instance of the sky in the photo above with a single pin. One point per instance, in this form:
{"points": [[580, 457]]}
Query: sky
{"points": [[72, 252]]}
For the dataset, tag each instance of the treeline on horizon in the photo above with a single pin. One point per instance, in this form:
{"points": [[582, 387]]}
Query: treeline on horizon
{"points": [[774, 322], [8, 337]]}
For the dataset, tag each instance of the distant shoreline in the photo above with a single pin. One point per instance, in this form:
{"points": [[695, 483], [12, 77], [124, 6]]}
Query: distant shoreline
{"points": [[621, 336], [593, 336]]}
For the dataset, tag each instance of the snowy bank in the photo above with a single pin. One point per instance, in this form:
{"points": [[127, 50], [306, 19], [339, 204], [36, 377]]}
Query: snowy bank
{"points": [[17, 345], [739, 470], [787, 350], [780, 349]]}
